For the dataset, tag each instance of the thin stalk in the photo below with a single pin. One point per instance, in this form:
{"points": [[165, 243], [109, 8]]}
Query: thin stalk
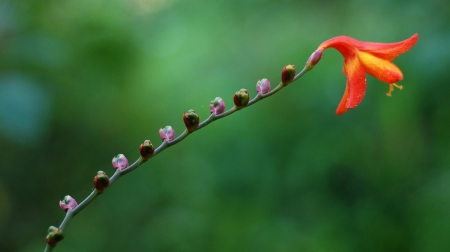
{"points": [[166, 144]]}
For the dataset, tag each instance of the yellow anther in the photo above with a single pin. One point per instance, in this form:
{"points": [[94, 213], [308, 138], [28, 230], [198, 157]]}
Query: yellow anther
{"points": [[391, 88]]}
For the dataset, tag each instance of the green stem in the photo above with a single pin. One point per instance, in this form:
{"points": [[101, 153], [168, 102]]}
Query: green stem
{"points": [[166, 144]]}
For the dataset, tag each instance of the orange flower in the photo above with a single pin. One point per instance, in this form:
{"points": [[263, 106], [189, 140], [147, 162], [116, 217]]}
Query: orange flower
{"points": [[367, 57]]}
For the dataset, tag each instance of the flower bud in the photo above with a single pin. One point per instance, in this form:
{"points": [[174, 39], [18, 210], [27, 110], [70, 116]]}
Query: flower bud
{"points": [[120, 162], [101, 181], [191, 120], [54, 236], [146, 149], [217, 106], [314, 58], [241, 98], [288, 74], [167, 134], [263, 86], [68, 203]]}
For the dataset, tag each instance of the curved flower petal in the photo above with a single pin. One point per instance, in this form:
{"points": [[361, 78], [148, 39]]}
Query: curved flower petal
{"points": [[380, 68], [388, 51], [345, 45], [341, 107], [356, 84]]}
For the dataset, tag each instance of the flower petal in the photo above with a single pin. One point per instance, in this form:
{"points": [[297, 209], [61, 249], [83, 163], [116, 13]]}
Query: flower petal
{"points": [[341, 107], [345, 45], [379, 68], [388, 51], [356, 84]]}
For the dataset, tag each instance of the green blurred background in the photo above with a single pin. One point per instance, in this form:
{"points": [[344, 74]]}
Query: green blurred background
{"points": [[81, 81]]}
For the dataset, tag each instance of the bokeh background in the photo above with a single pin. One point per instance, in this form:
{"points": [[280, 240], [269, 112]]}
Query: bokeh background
{"points": [[84, 80]]}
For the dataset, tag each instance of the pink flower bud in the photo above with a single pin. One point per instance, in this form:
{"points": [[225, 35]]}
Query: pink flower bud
{"points": [[241, 98], [54, 236], [68, 203], [191, 120], [120, 162], [314, 58], [167, 133], [146, 149], [217, 106], [288, 74], [263, 86], [101, 181]]}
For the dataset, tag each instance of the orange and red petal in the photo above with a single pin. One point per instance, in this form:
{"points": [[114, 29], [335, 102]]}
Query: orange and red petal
{"points": [[345, 45], [342, 105], [379, 68], [356, 84], [388, 51]]}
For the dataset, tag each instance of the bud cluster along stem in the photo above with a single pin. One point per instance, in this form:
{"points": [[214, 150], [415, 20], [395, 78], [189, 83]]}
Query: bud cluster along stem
{"points": [[147, 150]]}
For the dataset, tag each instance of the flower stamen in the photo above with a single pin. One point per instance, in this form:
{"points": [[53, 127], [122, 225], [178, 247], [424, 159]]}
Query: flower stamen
{"points": [[391, 88]]}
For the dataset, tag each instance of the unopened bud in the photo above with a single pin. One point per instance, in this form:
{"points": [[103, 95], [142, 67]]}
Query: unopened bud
{"points": [[241, 98], [263, 86], [314, 58], [288, 74], [68, 203], [101, 181], [217, 106], [191, 120], [167, 133], [120, 162], [54, 236], [146, 149]]}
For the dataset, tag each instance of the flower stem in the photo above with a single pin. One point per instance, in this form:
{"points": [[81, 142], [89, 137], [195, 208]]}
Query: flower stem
{"points": [[119, 173]]}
